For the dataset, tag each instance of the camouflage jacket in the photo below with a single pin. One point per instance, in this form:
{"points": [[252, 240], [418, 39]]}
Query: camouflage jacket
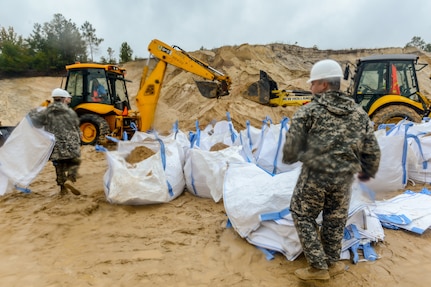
{"points": [[332, 134], [63, 122]]}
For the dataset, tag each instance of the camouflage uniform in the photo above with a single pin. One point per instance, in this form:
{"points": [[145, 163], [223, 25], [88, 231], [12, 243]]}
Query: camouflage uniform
{"points": [[334, 139], [63, 122]]}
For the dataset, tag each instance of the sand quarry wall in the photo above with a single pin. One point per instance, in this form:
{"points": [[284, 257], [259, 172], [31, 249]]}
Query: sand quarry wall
{"points": [[86, 241], [288, 65]]}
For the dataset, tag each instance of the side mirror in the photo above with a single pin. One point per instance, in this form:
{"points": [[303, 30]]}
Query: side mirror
{"points": [[346, 72]]}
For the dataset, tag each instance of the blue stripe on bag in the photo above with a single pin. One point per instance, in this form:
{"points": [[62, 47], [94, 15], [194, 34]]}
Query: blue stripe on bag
{"points": [[269, 254], [163, 156], [274, 215], [283, 125], [193, 178], [404, 159], [418, 142], [22, 189], [242, 143], [265, 123], [232, 133], [247, 123]]}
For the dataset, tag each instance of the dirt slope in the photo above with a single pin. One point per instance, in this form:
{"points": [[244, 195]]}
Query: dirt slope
{"points": [[85, 241], [180, 100]]}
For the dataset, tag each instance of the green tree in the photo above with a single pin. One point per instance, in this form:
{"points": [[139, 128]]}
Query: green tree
{"points": [[38, 47], [125, 53], [419, 43], [9, 35], [111, 58], [14, 56], [56, 44], [90, 38]]}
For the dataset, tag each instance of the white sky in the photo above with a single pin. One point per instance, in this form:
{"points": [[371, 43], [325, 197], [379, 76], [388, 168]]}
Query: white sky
{"points": [[192, 24]]}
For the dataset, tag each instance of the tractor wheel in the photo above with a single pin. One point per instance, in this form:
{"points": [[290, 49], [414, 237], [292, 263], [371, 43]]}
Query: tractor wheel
{"points": [[395, 113], [94, 129]]}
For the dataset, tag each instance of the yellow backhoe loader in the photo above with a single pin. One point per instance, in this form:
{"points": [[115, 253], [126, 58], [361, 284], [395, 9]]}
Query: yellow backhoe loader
{"points": [[386, 86], [100, 98], [266, 92]]}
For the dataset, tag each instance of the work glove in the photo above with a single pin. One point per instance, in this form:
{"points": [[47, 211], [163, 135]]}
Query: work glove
{"points": [[363, 176]]}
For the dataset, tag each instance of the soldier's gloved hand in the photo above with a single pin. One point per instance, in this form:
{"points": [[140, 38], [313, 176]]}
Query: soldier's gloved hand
{"points": [[363, 176]]}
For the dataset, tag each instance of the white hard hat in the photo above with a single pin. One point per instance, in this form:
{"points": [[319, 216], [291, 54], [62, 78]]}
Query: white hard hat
{"points": [[60, 93], [325, 69]]}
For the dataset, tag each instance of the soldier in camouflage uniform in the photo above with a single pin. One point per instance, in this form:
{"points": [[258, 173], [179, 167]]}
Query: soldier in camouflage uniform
{"points": [[334, 139], [62, 121]]}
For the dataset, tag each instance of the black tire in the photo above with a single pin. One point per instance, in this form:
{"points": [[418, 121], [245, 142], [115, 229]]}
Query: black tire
{"points": [[94, 129], [393, 114]]}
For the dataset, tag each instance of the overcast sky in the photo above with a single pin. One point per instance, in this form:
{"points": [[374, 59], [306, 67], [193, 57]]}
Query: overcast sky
{"points": [[192, 24]]}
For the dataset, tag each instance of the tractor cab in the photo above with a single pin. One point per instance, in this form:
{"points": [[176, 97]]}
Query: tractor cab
{"points": [[96, 83], [100, 99], [387, 88]]}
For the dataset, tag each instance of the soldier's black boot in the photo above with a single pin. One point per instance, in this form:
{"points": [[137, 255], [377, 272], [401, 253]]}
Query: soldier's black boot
{"points": [[63, 190]]}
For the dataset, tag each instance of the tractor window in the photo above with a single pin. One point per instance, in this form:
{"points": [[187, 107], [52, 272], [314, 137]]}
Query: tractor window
{"points": [[74, 87], [404, 81], [98, 87], [373, 79], [121, 93], [372, 83]]}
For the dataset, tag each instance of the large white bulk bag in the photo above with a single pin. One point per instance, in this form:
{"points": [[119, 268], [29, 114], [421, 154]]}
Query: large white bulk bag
{"points": [[25, 153], [156, 179]]}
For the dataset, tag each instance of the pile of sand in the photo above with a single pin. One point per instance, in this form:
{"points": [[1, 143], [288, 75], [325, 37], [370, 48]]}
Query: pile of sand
{"points": [[85, 241]]}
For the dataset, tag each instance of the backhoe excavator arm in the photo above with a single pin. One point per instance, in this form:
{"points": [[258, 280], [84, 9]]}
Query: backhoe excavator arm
{"points": [[218, 84], [177, 57]]}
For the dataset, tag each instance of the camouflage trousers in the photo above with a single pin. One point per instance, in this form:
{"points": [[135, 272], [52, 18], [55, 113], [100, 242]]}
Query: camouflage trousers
{"points": [[66, 169], [327, 193]]}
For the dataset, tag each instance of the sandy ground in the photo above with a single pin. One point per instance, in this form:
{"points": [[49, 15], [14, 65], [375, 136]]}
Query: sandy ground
{"points": [[86, 241]]}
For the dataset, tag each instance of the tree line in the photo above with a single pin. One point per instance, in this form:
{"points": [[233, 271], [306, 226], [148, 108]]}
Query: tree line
{"points": [[419, 43], [51, 46]]}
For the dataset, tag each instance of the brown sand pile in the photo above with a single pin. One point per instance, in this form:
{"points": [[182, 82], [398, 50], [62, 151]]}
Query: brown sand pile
{"points": [[85, 241], [139, 154], [218, 146]]}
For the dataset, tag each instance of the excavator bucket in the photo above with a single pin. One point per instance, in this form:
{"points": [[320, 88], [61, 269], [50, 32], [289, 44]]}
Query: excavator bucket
{"points": [[208, 89], [260, 91]]}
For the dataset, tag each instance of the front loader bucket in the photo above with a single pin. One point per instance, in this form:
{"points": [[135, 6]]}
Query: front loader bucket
{"points": [[208, 89], [260, 91]]}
